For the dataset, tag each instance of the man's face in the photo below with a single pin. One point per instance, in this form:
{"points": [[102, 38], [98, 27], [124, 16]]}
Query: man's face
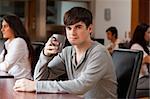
{"points": [[109, 35], [78, 33]]}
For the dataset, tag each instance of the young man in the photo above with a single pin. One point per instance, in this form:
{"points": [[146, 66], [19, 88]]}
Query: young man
{"points": [[112, 35], [87, 63]]}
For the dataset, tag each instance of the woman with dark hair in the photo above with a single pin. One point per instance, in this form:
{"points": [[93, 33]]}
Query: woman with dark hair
{"points": [[17, 56], [140, 41]]}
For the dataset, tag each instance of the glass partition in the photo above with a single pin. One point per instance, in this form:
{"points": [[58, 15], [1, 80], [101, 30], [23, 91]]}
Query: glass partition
{"points": [[12, 6]]}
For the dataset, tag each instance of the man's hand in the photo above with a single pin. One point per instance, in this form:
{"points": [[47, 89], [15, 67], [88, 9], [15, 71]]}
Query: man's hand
{"points": [[51, 47], [24, 85]]}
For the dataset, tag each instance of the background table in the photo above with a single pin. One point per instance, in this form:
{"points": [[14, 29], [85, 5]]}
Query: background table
{"points": [[5, 75], [7, 92]]}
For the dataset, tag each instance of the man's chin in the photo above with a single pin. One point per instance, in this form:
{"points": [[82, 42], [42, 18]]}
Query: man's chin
{"points": [[73, 43]]}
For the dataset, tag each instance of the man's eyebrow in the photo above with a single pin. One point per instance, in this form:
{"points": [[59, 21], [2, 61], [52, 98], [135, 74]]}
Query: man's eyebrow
{"points": [[78, 25]]}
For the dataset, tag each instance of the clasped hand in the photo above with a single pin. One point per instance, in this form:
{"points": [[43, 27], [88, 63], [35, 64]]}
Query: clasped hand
{"points": [[51, 47], [24, 85]]}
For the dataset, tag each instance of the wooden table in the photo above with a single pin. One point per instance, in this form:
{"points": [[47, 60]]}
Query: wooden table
{"points": [[5, 75], [7, 92]]}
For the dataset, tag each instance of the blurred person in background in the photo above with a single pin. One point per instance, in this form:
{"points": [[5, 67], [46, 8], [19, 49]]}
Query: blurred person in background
{"points": [[141, 41], [112, 36], [17, 56]]}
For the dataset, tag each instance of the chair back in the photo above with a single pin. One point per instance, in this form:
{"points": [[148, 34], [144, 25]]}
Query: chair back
{"points": [[2, 41], [127, 65], [37, 47]]}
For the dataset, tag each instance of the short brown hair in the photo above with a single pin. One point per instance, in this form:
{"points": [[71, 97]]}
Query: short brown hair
{"points": [[77, 14]]}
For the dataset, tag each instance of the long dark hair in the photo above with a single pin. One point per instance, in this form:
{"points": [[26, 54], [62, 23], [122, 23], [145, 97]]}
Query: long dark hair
{"points": [[19, 30], [138, 36]]}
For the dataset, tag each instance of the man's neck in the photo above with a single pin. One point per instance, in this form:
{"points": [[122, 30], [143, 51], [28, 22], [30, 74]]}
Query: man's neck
{"points": [[80, 49]]}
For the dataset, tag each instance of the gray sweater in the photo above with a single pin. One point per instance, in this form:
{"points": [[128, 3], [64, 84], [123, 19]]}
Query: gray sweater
{"points": [[94, 76]]}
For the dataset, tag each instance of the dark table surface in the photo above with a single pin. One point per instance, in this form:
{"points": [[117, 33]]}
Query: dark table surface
{"points": [[7, 92]]}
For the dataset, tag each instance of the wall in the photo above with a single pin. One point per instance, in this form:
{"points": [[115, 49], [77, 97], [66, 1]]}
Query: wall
{"points": [[120, 17], [67, 5]]}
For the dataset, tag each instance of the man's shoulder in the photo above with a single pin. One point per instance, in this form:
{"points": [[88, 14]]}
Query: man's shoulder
{"points": [[97, 48], [67, 49]]}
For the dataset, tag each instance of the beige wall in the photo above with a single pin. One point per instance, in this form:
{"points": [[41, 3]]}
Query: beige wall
{"points": [[120, 17]]}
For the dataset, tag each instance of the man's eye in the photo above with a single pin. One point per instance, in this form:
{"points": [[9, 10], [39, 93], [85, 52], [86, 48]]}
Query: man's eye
{"points": [[69, 28], [78, 27]]}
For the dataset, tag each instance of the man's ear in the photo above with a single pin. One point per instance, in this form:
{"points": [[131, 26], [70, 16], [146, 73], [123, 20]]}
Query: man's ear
{"points": [[90, 28]]}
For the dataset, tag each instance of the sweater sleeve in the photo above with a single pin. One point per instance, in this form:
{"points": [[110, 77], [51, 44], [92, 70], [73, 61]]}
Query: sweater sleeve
{"points": [[48, 67], [95, 70]]}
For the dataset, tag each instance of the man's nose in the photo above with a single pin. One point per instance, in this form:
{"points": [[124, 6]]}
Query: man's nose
{"points": [[73, 31]]}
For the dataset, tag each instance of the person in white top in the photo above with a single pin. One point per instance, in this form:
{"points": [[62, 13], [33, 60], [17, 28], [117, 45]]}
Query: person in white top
{"points": [[141, 41], [17, 56], [112, 35]]}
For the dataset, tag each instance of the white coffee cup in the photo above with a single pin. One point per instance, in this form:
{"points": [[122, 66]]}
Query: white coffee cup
{"points": [[61, 39]]}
